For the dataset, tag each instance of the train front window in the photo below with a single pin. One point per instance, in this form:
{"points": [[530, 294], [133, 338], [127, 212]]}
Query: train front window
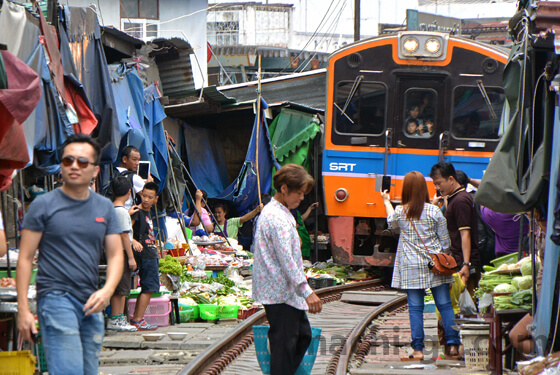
{"points": [[420, 113], [359, 107], [476, 112]]}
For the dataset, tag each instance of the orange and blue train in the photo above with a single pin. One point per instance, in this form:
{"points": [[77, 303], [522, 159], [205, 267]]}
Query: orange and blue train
{"points": [[399, 103]]}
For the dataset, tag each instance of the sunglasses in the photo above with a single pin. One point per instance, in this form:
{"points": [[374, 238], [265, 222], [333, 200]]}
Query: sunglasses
{"points": [[83, 162]]}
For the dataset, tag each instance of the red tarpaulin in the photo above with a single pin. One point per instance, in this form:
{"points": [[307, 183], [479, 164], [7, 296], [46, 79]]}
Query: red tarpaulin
{"points": [[17, 102]]}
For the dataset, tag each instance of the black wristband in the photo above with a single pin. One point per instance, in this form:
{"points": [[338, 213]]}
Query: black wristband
{"points": [[467, 264]]}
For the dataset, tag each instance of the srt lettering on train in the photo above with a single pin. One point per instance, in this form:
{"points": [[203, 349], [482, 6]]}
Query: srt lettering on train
{"points": [[348, 167]]}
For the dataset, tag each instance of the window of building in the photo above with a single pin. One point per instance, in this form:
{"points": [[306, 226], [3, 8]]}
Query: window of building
{"points": [[420, 113], [223, 33], [359, 108], [148, 9], [141, 29], [473, 116]]}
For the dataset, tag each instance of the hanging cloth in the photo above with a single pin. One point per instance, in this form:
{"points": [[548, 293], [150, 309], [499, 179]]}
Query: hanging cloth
{"points": [[516, 178], [16, 104]]}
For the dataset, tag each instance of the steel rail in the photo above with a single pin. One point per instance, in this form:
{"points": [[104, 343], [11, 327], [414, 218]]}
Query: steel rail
{"points": [[354, 336], [217, 356]]}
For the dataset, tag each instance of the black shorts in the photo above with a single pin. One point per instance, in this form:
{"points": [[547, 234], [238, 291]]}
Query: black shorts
{"points": [[123, 289], [148, 270]]}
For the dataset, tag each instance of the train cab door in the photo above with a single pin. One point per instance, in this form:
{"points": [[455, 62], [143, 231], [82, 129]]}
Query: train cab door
{"points": [[418, 122]]}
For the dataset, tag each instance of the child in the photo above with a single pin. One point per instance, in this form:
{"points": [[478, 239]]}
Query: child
{"points": [[146, 255], [121, 192], [230, 227], [411, 127]]}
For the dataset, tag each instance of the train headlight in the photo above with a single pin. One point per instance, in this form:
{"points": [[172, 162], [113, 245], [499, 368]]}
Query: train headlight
{"points": [[433, 45], [410, 45], [341, 194]]}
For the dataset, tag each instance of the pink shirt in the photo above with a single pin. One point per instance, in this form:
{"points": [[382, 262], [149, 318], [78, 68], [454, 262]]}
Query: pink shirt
{"points": [[278, 275]]}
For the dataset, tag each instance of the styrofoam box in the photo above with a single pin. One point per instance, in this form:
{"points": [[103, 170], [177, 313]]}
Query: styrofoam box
{"points": [[157, 312]]}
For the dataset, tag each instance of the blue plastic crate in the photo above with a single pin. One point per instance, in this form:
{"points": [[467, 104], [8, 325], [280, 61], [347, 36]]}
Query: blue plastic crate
{"points": [[263, 355]]}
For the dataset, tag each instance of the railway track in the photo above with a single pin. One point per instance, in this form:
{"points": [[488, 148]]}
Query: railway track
{"points": [[343, 325]]}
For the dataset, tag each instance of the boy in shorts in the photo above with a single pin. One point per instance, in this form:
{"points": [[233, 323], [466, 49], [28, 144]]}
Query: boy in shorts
{"points": [[146, 255], [121, 192]]}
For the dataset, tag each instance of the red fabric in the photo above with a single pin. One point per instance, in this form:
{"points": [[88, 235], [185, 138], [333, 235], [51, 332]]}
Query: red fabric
{"points": [[87, 120], [17, 102], [51, 43]]}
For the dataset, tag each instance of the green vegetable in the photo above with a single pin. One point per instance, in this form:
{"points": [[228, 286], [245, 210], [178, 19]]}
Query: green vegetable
{"points": [[526, 268], [505, 288], [525, 282], [488, 268], [170, 265]]}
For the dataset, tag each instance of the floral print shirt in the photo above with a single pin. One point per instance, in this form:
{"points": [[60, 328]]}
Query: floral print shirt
{"points": [[278, 275]]}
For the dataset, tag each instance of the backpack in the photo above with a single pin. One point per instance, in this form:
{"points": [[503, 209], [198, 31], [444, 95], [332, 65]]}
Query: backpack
{"points": [[108, 190]]}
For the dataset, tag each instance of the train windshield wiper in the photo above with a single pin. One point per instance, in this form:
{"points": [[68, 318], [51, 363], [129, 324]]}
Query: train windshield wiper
{"points": [[486, 98], [355, 86]]}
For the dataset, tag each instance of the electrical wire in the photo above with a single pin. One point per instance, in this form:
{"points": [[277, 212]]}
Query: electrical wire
{"points": [[329, 33], [312, 36]]}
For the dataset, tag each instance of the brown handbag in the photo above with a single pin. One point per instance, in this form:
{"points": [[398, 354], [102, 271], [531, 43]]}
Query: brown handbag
{"points": [[440, 264]]}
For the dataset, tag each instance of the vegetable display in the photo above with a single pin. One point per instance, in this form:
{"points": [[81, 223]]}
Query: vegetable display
{"points": [[170, 265]]}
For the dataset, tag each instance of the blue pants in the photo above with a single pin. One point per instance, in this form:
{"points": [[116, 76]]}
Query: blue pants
{"points": [[71, 341], [416, 314]]}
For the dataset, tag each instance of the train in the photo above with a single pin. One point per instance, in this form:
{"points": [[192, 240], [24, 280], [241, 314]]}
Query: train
{"points": [[398, 103]]}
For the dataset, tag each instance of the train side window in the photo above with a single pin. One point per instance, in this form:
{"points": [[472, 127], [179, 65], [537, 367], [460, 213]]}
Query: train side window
{"points": [[420, 113], [473, 116], [359, 108]]}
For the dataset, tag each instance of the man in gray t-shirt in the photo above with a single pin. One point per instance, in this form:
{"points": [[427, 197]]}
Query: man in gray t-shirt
{"points": [[70, 226]]}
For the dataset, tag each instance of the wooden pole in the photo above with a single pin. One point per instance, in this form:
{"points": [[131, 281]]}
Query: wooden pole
{"points": [[258, 127]]}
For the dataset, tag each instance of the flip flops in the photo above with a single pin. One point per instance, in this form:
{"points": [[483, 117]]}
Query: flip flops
{"points": [[412, 358]]}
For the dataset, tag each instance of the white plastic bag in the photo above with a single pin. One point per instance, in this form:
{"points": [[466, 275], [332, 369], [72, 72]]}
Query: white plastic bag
{"points": [[466, 304]]}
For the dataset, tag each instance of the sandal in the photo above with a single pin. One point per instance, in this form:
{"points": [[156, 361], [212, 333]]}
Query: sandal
{"points": [[411, 357], [454, 353]]}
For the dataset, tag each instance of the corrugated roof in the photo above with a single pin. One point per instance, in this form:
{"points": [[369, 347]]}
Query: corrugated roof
{"points": [[453, 2], [122, 35], [174, 65]]}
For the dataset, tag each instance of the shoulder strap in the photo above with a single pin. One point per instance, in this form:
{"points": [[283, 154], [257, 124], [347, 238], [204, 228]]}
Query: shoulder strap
{"points": [[418, 234]]}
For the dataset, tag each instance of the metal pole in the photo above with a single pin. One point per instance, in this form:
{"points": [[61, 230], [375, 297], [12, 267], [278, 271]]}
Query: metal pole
{"points": [[2, 197], [177, 209], [533, 269], [258, 128], [356, 20], [316, 173], [14, 200]]}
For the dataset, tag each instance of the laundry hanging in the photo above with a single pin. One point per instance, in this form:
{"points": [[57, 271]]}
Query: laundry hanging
{"points": [[83, 56], [17, 101], [516, 178]]}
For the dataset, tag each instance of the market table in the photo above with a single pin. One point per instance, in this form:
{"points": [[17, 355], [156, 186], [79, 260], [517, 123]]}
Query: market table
{"points": [[497, 318]]}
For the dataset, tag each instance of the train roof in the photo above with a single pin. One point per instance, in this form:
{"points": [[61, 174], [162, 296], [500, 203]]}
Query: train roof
{"points": [[500, 49]]}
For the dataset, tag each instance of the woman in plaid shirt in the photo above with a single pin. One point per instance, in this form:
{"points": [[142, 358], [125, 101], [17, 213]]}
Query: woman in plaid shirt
{"points": [[411, 271]]}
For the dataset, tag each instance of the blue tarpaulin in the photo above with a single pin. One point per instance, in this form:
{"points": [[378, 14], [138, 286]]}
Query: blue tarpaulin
{"points": [[140, 117], [153, 120], [207, 167], [540, 327], [206, 160], [83, 56]]}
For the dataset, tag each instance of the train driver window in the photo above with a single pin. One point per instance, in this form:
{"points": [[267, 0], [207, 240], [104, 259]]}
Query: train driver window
{"points": [[420, 105], [359, 107], [476, 112]]}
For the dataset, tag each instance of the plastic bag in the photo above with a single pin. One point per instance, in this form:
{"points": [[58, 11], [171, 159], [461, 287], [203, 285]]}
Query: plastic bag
{"points": [[466, 304]]}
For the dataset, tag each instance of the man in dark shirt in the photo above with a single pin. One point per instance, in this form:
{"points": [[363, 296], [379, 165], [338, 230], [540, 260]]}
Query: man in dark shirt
{"points": [[70, 226], [462, 224]]}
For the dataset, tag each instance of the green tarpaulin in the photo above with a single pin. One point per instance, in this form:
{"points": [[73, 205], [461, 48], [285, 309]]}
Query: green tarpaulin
{"points": [[290, 133]]}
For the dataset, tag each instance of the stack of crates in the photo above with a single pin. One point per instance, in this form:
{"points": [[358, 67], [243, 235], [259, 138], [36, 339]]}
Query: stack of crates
{"points": [[157, 312]]}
